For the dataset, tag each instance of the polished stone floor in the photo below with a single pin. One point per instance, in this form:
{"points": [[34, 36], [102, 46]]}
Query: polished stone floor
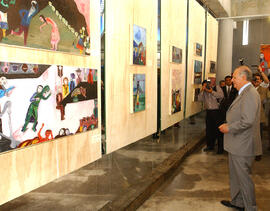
{"points": [[98, 183], [201, 182]]}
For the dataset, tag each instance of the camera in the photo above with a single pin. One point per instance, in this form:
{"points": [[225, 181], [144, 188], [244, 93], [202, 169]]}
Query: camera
{"points": [[208, 84]]}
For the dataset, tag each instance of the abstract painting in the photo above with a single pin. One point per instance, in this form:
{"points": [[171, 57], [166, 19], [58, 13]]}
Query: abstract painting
{"points": [[176, 55], [138, 92], [265, 58], [212, 67], [59, 25], [197, 72], [198, 49], [139, 45], [43, 102], [175, 91]]}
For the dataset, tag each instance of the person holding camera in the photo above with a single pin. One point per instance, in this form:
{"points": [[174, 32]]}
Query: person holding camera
{"points": [[211, 97]]}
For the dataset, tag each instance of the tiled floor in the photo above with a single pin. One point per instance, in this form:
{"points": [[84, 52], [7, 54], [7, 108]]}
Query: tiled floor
{"points": [[202, 181]]}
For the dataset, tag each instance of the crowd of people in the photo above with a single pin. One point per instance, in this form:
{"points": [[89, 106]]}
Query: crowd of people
{"points": [[235, 117]]}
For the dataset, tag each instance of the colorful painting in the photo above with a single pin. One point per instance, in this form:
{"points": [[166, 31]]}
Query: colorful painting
{"points": [[139, 45], [175, 91], [138, 92], [41, 102], [198, 49], [59, 25], [212, 67], [265, 58], [197, 72], [176, 55], [196, 94]]}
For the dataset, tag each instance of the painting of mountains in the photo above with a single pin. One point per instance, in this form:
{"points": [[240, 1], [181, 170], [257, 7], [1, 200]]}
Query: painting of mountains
{"points": [[139, 45]]}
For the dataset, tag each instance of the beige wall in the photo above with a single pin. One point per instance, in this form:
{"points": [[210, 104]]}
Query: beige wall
{"points": [[196, 35], [211, 44], [173, 33], [25, 169], [123, 127]]}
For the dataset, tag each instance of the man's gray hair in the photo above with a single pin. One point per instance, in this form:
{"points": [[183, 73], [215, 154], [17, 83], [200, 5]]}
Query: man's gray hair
{"points": [[244, 70]]}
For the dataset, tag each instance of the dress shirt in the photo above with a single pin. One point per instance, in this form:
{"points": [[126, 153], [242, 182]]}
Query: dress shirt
{"points": [[243, 87], [228, 88], [210, 100]]}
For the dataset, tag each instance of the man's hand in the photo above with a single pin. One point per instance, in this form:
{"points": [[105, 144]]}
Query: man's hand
{"points": [[224, 128]]}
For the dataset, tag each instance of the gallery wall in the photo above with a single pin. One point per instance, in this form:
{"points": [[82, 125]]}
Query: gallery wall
{"points": [[211, 48], [196, 35], [23, 170], [173, 16], [131, 101]]}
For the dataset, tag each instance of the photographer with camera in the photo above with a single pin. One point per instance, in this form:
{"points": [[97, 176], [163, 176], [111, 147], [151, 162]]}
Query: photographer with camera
{"points": [[211, 97]]}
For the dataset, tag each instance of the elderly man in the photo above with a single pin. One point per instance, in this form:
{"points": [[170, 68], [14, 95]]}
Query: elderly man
{"points": [[240, 134]]}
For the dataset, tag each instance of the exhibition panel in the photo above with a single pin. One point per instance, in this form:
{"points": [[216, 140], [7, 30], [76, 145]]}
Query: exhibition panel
{"points": [[130, 71], [173, 61], [50, 101], [196, 48]]}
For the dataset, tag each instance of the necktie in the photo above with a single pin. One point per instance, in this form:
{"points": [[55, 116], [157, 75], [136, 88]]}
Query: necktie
{"points": [[229, 90]]}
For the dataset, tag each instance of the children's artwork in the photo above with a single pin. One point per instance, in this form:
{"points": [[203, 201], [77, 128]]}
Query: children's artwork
{"points": [[176, 55], [59, 25], [212, 81], [197, 72], [212, 67], [175, 91], [138, 95], [196, 94], [265, 58], [139, 45], [42, 102], [198, 49]]}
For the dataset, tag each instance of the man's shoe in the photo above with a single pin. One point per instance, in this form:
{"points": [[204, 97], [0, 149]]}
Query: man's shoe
{"points": [[207, 149], [229, 204]]}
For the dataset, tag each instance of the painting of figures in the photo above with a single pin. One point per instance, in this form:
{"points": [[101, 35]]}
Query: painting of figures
{"points": [[265, 58], [139, 45], [196, 94], [197, 72], [59, 25], [198, 49], [138, 92], [175, 91], [39, 103], [176, 55], [212, 67]]}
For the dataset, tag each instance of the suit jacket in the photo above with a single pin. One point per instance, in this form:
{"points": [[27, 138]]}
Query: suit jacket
{"points": [[263, 95], [243, 119], [228, 98]]}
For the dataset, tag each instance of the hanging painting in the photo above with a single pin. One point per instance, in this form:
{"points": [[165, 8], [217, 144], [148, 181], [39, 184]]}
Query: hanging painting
{"points": [[176, 55], [265, 58], [139, 45], [59, 25], [175, 91], [42, 102], [196, 94], [198, 49], [138, 93], [197, 72], [212, 67]]}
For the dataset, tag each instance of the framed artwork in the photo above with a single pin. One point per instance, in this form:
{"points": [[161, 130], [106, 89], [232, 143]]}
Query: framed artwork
{"points": [[139, 45], [176, 55], [59, 25], [265, 58], [213, 81], [212, 67], [197, 72], [138, 93], [175, 91], [198, 49], [43, 102], [196, 94]]}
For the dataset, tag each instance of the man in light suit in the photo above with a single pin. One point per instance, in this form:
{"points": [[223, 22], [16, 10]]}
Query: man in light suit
{"points": [[240, 133]]}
